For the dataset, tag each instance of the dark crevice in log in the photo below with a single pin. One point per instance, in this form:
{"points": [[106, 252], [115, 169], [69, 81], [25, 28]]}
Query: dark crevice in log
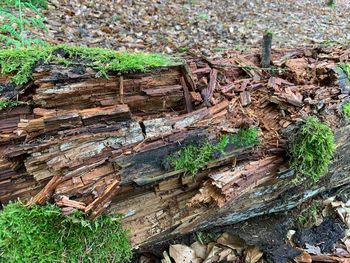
{"points": [[143, 128]]}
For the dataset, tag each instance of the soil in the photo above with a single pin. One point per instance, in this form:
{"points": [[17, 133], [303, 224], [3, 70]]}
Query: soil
{"points": [[325, 235]]}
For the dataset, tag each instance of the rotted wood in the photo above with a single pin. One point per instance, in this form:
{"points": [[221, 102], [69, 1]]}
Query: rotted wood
{"points": [[105, 145], [266, 49]]}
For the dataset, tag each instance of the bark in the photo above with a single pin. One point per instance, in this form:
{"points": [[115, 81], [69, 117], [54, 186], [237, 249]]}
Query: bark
{"points": [[101, 145]]}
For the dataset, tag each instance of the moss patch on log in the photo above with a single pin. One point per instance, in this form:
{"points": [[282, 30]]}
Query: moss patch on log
{"points": [[346, 110], [311, 149], [43, 234], [20, 61], [192, 158], [7, 103], [346, 69]]}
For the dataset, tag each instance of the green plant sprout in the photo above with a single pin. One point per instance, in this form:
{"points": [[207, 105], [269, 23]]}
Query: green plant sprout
{"points": [[16, 25], [205, 237], [192, 158], [346, 110], [311, 148], [42, 234], [20, 61]]}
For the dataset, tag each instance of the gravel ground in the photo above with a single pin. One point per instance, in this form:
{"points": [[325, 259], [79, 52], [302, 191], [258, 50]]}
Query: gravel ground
{"points": [[167, 26]]}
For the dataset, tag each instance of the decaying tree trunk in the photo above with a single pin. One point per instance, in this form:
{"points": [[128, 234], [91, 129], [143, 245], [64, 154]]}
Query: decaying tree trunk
{"points": [[99, 144]]}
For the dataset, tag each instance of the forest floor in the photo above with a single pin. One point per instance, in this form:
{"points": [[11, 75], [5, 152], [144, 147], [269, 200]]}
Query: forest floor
{"points": [[171, 26]]}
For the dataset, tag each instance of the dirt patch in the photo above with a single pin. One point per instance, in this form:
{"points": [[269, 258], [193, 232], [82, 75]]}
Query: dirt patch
{"points": [[324, 236]]}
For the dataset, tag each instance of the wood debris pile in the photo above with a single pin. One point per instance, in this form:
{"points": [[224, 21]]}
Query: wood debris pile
{"points": [[99, 145]]}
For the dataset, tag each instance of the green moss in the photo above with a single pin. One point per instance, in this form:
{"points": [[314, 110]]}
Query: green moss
{"points": [[346, 110], [43, 234], [8, 103], [309, 216], [269, 32], [20, 61], [311, 149], [34, 3], [245, 137], [192, 158], [346, 69], [331, 3], [18, 17]]}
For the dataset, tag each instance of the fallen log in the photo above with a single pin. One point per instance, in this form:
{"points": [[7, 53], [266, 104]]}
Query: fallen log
{"points": [[109, 145]]}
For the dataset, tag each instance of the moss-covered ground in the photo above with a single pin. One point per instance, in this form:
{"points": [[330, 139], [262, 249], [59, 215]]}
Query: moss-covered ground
{"points": [[42, 234]]}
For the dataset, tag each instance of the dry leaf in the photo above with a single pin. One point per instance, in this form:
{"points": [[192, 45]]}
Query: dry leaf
{"points": [[337, 203], [329, 200], [223, 254], [253, 254], [231, 258], [200, 250], [290, 234], [231, 241], [166, 258], [347, 244], [144, 259], [213, 255], [312, 249], [304, 257], [182, 254], [341, 252]]}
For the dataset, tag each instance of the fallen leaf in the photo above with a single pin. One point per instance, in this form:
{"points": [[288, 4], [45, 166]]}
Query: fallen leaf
{"points": [[253, 254], [329, 200], [166, 258], [304, 257], [213, 255], [199, 249], [182, 254], [337, 203], [290, 234], [341, 252], [347, 244], [312, 249], [223, 254], [144, 259], [231, 241], [231, 258]]}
